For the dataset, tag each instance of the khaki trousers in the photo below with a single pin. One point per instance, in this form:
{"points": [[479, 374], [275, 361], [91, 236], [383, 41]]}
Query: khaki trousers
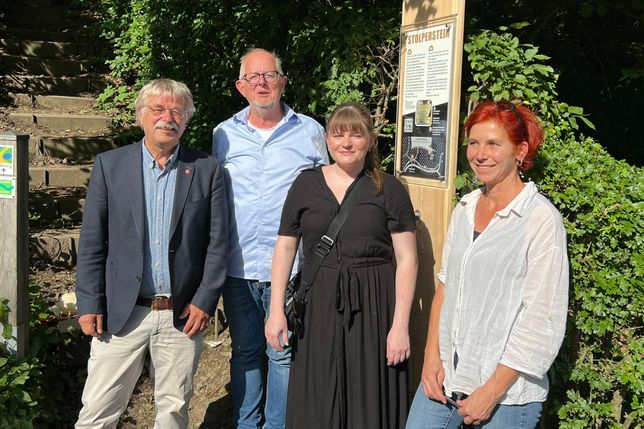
{"points": [[116, 362]]}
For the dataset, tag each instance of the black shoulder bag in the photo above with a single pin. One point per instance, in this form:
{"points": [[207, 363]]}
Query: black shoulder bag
{"points": [[296, 303]]}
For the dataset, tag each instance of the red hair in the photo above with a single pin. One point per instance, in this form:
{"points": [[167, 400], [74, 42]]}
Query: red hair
{"points": [[518, 121]]}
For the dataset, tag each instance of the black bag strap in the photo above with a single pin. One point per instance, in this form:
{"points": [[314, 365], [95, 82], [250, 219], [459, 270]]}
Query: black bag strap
{"points": [[327, 241]]}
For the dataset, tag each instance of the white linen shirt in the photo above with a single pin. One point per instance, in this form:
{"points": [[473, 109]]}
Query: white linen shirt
{"points": [[506, 295]]}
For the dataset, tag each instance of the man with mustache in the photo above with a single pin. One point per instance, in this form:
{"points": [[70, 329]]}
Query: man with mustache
{"points": [[263, 148], [151, 262]]}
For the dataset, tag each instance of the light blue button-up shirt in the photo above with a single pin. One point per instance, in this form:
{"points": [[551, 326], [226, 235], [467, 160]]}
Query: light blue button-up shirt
{"points": [[258, 176], [158, 190]]}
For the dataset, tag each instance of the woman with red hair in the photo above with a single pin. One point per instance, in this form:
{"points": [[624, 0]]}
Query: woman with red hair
{"points": [[498, 316]]}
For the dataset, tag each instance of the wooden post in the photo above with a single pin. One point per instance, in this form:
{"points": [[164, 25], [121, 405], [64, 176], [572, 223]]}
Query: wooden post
{"points": [[427, 140], [14, 236]]}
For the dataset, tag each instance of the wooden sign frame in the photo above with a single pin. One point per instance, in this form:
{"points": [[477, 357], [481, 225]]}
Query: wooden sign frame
{"points": [[431, 194]]}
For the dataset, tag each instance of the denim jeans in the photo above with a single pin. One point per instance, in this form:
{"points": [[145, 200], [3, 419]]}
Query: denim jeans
{"points": [[426, 413], [247, 303]]}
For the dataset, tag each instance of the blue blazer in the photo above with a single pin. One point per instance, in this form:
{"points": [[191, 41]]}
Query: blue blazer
{"points": [[110, 254]]}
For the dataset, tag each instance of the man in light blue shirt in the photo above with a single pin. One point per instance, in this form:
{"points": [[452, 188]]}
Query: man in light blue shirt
{"points": [[263, 148]]}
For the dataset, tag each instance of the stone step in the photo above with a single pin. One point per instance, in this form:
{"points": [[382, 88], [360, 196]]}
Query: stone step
{"points": [[78, 148], [53, 101], [76, 176], [62, 35], [26, 10], [90, 83], [57, 204], [40, 3], [62, 122], [15, 64], [48, 49], [57, 247], [48, 22]]}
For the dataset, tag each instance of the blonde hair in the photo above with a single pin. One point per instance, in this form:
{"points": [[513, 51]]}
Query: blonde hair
{"points": [[354, 116], [165, 87]]}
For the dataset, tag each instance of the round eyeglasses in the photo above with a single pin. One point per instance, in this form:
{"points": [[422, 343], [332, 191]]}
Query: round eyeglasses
{"points": [[269, 77], [158, 111]]}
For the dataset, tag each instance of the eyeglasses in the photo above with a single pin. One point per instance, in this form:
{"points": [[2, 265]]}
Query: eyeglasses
{"points": [[158, 111], [508, 106], [269, 77]]}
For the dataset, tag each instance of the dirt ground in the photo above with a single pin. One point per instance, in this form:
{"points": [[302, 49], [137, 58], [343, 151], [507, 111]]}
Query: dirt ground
{"points": [[211, 406]]}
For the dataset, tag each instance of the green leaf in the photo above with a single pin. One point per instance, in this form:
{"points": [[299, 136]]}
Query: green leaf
{"points": [[576, 110], [519, 25], [587, 122]]}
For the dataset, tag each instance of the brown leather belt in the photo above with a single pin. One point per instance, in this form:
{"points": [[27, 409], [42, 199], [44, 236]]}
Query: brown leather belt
{"points": [[156, 303]]}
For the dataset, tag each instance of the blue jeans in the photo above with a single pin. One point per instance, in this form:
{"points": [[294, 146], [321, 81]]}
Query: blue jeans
{"points": [[426, 413], [247, 303]]}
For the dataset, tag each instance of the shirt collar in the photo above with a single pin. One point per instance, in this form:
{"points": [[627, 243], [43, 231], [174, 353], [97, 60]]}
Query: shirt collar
{"points": [[242, 116], [518, 205], [148, 158]]}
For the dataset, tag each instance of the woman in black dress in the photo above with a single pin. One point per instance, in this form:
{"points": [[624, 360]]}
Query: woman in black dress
{"points": [[349, 369]]}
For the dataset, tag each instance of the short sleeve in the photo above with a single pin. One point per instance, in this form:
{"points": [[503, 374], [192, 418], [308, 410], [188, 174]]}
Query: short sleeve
{"points": [[293, 207], [400, 212]]}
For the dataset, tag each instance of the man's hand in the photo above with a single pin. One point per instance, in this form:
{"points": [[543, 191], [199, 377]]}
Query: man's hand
{"points": [[197, 320], [91, 324], [276, 330]]}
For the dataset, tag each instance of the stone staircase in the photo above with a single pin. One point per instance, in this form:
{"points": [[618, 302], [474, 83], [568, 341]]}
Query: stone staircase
{"points": [[50, 73]]}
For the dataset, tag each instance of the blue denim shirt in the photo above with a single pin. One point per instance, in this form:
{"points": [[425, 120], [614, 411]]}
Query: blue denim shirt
{"points": [[158, 189], [258, 176]]}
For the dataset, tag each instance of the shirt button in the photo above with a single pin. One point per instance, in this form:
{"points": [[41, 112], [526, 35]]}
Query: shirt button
{"points": [[156, 264], [157, 242]]}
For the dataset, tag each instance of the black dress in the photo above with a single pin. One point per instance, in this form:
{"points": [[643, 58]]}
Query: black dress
{"points": [[339, 374]]}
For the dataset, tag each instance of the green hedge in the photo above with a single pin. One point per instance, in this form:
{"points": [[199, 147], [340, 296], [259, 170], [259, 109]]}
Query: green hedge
{"points": [[601, 368]]}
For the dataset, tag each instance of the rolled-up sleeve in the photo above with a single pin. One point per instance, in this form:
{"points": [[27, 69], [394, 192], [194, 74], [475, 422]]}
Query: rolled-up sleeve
{"points": [[539, 328]]}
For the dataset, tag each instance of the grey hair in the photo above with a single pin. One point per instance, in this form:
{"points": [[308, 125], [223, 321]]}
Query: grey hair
{"points": [[169, 88], [278, 60]]}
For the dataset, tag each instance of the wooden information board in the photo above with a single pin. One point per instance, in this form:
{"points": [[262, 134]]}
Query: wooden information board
{"points": [[427, 140]]}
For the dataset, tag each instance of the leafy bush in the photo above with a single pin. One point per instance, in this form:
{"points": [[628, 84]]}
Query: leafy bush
{"points": [[26, 384], [598, 378], [601, 200], [19, 389]]}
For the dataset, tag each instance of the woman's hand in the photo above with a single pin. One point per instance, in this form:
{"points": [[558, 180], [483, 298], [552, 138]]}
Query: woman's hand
{"points": [[398, 346], [477, 407], [276, 329], [433, 376]]}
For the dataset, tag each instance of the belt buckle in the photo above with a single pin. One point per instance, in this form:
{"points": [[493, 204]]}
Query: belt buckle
{"points": [[160, 303]]}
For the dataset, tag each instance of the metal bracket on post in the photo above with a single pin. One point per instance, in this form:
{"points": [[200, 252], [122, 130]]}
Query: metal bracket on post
{"points": [[14, 236]]}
